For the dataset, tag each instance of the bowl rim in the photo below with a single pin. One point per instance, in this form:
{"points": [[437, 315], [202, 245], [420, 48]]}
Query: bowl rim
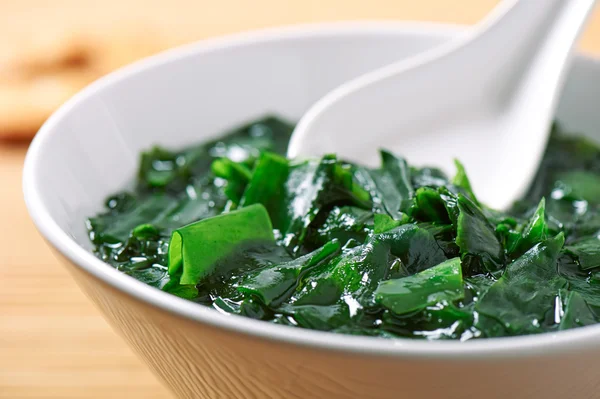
{"points": [[547, 344]]}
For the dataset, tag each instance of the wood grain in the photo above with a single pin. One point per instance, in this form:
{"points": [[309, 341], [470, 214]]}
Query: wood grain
{"points": [[53, 342]]}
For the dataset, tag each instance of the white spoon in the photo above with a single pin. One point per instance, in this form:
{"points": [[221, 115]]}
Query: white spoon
{"points": [[487, 98]]}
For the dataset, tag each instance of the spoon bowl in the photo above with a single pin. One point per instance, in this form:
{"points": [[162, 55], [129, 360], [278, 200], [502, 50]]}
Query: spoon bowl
{"points": [[486, 98]]}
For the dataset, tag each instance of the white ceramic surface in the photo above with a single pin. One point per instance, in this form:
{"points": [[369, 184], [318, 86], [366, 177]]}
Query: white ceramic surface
{"points": [[88, 149], [483, 89]]}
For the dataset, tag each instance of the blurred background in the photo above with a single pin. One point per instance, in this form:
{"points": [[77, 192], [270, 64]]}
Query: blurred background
{"points": [[50, 49], [53, 343]]}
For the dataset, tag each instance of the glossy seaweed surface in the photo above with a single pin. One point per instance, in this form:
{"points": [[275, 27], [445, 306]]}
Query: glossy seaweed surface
{"points": [[324, 244]]}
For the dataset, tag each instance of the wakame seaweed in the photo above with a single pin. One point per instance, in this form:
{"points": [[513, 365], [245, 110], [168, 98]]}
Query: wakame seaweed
{"points": [[394, 251]]}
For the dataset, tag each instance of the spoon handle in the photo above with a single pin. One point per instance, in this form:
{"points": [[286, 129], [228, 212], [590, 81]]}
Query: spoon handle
{"points": [[523, 43]]}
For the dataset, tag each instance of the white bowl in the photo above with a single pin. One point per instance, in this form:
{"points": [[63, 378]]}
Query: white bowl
{"points": [[88, 149]]}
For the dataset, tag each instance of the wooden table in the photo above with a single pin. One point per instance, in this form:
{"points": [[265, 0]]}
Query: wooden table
{"points": [[53, 342]]}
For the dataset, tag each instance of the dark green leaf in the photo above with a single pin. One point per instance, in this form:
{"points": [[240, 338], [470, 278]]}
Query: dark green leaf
{"points": [[533, 232], [437, 284], [581, 184], [390, 186], [314, 186], [342, 224], [237, 175], [479, 246], [417, 248], [462, 181], [587, 252], [267, 187], [577, 313], [274, 284], [383, 223], [429, 206], [526, 293]]}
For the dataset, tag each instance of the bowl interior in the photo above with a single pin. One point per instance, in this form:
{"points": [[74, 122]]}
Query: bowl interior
{"points": [[89, 148]]}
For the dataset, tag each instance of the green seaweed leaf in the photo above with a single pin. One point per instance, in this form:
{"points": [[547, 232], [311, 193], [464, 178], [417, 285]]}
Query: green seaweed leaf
{"points": [[197, 248], [434, 285], [479, 246], [526, 293]]}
